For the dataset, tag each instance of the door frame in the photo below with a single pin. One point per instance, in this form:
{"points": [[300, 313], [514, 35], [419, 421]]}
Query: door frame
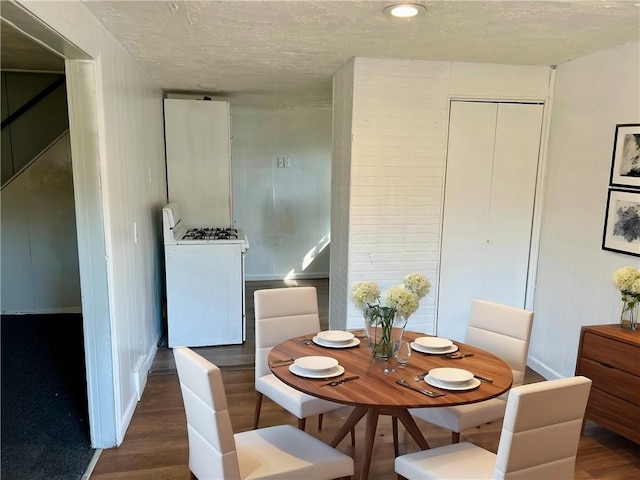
{"points": [[93, 258]]}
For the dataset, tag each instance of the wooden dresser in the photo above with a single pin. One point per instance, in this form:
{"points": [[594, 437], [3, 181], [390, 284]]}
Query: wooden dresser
{"points": [[610, 356]]}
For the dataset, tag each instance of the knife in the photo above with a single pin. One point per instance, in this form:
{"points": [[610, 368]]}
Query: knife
{"points": [[428, 393], [483, 379], [335, 383], [281, 360], [457, 355]]}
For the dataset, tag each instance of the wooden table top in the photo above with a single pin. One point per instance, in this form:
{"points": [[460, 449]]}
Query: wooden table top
{"points": [[375, 388]]}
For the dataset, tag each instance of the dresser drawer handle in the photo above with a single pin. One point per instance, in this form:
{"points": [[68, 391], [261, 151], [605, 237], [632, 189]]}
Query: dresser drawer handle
{"points": [[606, 365]]}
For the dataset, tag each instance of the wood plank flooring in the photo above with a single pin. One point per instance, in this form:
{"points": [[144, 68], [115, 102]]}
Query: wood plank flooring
{"points": [[242, 356], [155, 446]]}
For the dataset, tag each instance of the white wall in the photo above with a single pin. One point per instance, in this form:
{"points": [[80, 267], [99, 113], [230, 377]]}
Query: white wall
{"points": [[399, 126], [285, 212], [133, 184], [574, 287], [39, 246]]}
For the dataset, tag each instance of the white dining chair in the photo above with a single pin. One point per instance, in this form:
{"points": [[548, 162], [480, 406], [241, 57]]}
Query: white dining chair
{"points": [[504, 331], [539, 439], [280, 314], [215, 452]]}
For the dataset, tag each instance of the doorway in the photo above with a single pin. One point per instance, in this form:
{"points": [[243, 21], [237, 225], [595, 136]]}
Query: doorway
{"points": [[92, 258]]}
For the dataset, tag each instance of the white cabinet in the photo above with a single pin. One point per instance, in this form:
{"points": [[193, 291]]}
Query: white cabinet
{"points": [[490, 187], [198, 146]]}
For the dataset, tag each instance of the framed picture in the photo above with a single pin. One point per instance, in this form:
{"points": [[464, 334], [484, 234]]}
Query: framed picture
{"points": [[625, 165], [622, 222]]}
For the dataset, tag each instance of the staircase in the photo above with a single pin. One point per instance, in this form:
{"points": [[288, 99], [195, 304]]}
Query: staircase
{"points": [[34, 116]]}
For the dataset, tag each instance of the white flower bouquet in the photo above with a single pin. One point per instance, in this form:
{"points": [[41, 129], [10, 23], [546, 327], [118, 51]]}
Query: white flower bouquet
{"points": [[383, 315], [627, 280]]}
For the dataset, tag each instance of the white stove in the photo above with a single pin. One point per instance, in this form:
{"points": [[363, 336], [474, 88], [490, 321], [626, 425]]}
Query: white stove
{"points": [[175, 232], [205, 282]]}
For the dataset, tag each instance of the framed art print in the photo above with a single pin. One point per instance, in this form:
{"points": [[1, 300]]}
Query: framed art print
{"points": [[622, 222], [625, 165]]}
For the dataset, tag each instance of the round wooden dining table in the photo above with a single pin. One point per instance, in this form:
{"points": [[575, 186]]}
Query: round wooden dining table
{"points": [[376, 393]]}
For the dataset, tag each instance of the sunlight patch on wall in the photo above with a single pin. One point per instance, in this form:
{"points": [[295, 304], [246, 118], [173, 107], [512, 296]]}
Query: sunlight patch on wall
{"points": [[315, 251]]}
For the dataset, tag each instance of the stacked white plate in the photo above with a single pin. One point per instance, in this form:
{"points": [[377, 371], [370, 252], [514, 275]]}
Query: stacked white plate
{"points": [[433, 345], [451, 379], [316, 367], [336, 339]]}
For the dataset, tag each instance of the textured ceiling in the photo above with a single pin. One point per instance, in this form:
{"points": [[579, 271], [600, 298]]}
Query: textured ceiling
{"points": [[283, 53]]}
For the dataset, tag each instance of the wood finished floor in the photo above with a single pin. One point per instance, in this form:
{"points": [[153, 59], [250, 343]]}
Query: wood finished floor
{"points": [[155, 446]]}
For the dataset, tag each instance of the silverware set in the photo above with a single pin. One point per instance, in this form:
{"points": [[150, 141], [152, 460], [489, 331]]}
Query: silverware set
{"points": [[424, 391], [281, 362], [420, 377], [335, 383], [456, 355]]}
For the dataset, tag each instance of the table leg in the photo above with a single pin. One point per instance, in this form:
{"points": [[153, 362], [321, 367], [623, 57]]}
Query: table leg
{"points": [[369, 438], [370, 433], [410, 424], [351, 422]]}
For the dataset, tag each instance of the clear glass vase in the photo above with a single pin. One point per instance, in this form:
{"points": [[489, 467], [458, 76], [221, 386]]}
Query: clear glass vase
{"points": [[383, 327], [629, 316]]}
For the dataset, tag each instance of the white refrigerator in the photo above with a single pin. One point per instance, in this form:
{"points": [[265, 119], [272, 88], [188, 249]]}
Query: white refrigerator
{"points": [[198, 149]]}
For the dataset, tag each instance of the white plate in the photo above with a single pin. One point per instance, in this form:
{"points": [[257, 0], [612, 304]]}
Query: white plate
{"points": [[473, 383], [418, 348], [335, 336], [316, 363], [354, 342], [434, 343], [334, 372], [451, 376]]}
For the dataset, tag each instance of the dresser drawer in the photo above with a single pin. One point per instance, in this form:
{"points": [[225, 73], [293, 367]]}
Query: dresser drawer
{"points": [[621, 355], [616, 382], [613, 413]]}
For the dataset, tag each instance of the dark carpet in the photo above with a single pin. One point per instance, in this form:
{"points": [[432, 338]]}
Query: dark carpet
{"points": [[44, 423]]}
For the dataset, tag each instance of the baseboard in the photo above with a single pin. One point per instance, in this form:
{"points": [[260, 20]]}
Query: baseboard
{"points": [[286, 276], [141, 370], [139, 376], [541, 368], [92, 464], [44, 311]]}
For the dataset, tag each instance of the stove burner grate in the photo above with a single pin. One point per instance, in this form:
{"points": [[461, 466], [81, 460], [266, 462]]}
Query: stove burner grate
{"points": [[211, 233]]}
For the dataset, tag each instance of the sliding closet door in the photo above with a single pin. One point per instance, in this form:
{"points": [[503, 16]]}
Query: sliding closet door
{"points": [[490, 184]]}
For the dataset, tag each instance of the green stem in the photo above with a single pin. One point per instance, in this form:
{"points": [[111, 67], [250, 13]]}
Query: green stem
{"points": [[382, 317]]}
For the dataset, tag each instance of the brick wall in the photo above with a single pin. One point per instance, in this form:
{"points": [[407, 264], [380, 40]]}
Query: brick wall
{"points": [[398, 151]]}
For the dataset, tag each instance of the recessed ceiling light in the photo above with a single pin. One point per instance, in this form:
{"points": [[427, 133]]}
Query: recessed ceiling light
{"points": [[404, 10]]}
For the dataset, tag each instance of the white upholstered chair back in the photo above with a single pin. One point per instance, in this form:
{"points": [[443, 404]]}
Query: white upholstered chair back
{"points": [[282, 313], [539, 439], [502, 330], [212, 448], [541, 429]]}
